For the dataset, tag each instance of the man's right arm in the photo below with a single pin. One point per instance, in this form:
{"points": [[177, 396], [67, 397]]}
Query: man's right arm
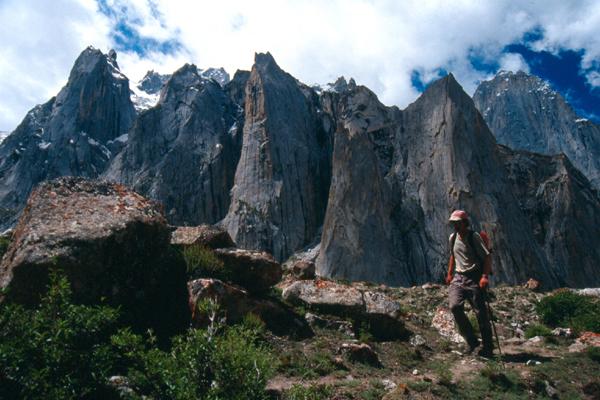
{"points": [[450, 269]]}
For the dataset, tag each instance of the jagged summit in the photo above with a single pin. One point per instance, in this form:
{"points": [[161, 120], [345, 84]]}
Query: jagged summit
{"points": [[525, 113]]}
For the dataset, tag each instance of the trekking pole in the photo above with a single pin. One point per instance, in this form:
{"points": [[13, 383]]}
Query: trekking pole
{"points": [[491, 315]]}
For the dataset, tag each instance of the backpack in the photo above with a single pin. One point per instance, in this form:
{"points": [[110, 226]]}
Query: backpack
{"points": [[486, 242]]}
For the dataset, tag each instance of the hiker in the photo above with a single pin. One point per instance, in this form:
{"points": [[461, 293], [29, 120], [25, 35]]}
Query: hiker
{"points": [[471, 260]]}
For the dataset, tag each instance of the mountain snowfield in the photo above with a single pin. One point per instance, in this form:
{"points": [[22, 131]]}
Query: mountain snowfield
{"points": [[287, 167]]}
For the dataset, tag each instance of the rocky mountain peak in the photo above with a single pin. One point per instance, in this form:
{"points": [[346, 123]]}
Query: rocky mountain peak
{"points": [[152, 82], [218, 74], [525, 113]]}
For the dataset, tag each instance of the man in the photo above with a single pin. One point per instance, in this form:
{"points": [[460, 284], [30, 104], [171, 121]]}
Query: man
{"points": [[472, 262]]}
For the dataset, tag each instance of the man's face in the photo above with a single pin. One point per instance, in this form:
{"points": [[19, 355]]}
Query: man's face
{"points": [[458, 225]]}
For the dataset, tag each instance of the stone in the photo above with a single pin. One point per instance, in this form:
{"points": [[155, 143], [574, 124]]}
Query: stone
{"points": [[342, 326], [234, 303], [417, 340], [443, 322], [110, 243], [563, 332], [384, 317], [361, 353], [532, 284], [326, 296], [401, 392], [302, 269], [256, 271], [208, 236]]}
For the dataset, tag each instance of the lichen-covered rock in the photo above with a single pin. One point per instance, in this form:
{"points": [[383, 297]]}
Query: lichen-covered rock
{"points": [[443, 322], [111, 243], [326, 296], [208, 236], [256, 271], [373, 311], [384, 316]]}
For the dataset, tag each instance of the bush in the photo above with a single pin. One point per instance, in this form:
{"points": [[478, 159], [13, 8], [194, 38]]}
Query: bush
{"points": [[58, 350], [567, 309], [4, 242], [299, 392], [537, 330], [202, 262], [65, 351], [593, 353]]}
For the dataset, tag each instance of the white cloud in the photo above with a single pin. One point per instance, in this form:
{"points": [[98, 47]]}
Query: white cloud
{"points": [[378, 42], [593, 78], [40, 41], [513, 62]]}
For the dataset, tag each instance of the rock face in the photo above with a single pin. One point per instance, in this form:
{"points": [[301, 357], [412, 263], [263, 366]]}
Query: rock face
{"points": [[525, 114], [562, 210], [110, 243], [281, 182], [183, 152], [396, 178], [70, 135]]}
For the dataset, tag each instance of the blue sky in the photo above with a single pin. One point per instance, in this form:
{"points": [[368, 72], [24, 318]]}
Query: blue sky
{"points": [[394, 47]]}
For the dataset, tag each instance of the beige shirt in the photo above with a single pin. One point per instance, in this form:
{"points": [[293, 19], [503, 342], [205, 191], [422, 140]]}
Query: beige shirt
{"points": [[464, 257]]}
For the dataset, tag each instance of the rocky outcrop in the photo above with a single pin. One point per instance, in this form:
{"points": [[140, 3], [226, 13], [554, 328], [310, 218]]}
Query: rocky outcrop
{"points": [[183, 152], [373, 311], [70, 135], [208, 236], [281, 182], [235, 304], [256, 271], [112, 244], [524, 113]]}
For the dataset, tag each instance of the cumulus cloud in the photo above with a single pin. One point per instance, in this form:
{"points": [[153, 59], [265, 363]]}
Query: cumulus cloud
{"points": [[513, 62], [381, 43], [40, 41]]}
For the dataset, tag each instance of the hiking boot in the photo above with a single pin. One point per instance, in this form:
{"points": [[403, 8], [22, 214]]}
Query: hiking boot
{"points": [[470, 348], [486, 353]]}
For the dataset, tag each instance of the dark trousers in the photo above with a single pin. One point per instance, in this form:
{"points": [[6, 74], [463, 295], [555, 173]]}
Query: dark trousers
{"points": [[464, 288]]}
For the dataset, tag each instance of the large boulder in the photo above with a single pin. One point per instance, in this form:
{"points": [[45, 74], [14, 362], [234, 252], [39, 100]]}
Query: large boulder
{"points": [[375, 311], [204, 235], [112, 245], [234, 303], [256, 271], [326, 296]]}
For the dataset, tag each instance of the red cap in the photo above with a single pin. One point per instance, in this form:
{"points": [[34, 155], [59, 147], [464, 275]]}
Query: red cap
{"points": [[459, 215]]}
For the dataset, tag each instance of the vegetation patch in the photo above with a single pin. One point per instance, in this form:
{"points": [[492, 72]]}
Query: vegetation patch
{"points": [[567, 309], [201, 262]]}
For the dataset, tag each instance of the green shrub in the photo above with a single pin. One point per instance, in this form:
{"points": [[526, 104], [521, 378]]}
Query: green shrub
{"points": [[64, 351], [593, 353], [4, 242], [202, 262], [299, 392], [537, 330], [565, 308], [57, 350]]}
